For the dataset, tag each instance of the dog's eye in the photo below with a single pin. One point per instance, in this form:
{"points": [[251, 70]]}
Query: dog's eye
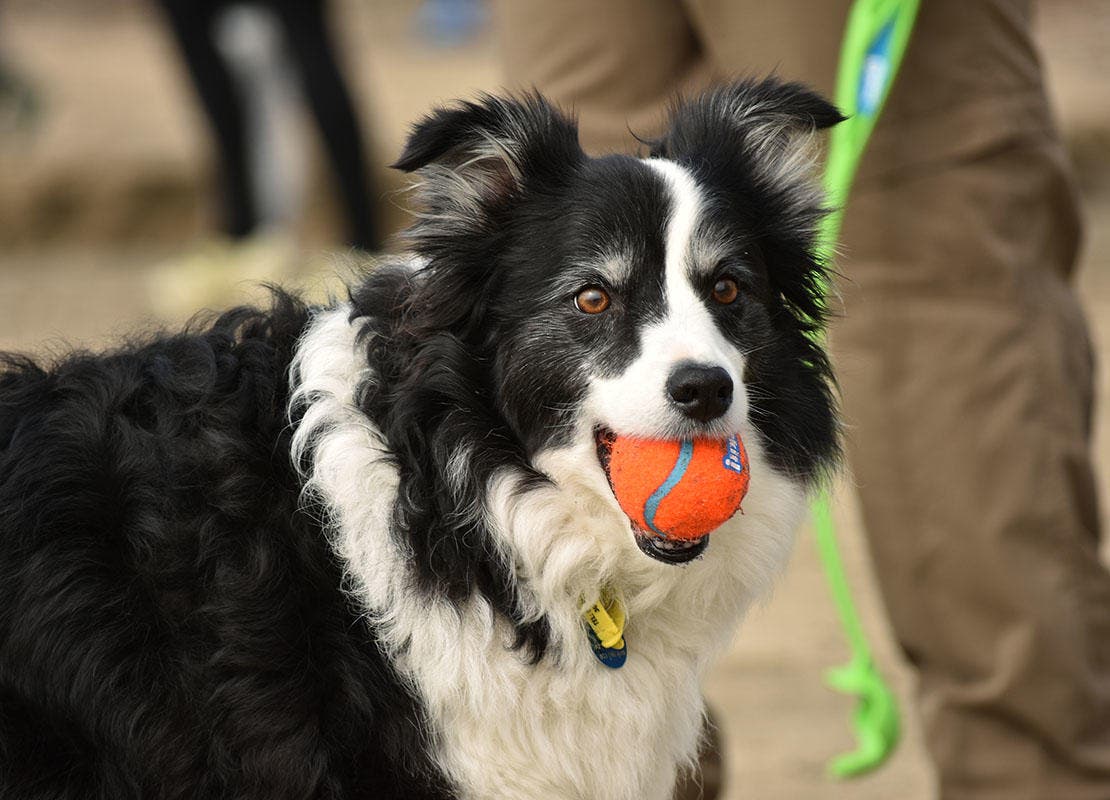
{"points": [[592, 300], [725, 291]]}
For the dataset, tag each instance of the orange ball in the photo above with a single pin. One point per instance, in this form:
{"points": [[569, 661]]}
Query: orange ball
{"points": [[677, 489]]}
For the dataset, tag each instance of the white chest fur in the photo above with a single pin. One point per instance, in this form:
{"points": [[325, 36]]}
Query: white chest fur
{"points": [[567, 727]]}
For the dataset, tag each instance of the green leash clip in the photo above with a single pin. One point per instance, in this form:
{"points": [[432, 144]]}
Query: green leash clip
{"points": [[875, 39]]}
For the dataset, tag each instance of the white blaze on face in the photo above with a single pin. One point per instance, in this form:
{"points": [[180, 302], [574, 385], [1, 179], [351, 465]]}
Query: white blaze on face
{"points": [[635, 403]]}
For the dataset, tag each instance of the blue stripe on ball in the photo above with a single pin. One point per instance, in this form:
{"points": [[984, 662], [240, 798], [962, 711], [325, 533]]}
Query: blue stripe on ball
{"points": [[685, 455]]}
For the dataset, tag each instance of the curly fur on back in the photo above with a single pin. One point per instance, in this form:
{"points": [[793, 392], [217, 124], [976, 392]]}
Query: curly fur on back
{"points": [[172, 621]]}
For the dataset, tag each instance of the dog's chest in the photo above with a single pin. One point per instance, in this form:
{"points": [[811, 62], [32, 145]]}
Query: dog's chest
{"points": [[568, 727]]}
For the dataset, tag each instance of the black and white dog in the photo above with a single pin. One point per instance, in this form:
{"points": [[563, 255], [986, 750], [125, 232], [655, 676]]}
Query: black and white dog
{"points": [[345, 552]]}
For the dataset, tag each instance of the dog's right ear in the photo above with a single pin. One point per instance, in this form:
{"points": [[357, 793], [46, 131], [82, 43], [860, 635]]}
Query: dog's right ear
{"points": [[758, 119], [476, 155]]}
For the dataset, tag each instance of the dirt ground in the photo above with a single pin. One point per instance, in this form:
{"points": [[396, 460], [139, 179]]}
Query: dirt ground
{"points": [[103, 194]]}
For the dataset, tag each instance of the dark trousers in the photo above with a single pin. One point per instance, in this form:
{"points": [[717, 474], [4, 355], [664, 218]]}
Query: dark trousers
{"points": [[306, 34]]}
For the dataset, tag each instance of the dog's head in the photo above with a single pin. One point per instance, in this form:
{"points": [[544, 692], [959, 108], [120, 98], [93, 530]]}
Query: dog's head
{"points": [[673, 296]]}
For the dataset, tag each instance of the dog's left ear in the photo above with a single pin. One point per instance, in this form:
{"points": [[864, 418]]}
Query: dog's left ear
{"points": [[761, 119], [475, 155]]}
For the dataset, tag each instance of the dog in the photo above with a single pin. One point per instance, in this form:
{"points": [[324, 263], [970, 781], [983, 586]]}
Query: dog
{"points": [[345, 551]]}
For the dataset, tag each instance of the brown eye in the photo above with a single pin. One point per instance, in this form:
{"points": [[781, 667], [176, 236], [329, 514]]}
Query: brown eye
{"points": [[725, 291], [592, 300]]}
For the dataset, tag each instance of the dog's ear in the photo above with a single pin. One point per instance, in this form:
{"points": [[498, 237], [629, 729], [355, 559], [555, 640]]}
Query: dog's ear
{"points": [[761, 119], [475, 155]]}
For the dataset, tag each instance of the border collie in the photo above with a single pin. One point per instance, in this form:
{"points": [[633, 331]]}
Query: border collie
{"points": [[346, 551]]}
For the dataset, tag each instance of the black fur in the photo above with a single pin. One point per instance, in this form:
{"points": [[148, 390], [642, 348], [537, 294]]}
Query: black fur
{"points": [[431, 397], [173, 622]]}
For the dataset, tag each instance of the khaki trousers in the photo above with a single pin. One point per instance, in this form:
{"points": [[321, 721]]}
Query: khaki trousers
{"points": [[963, 356]]}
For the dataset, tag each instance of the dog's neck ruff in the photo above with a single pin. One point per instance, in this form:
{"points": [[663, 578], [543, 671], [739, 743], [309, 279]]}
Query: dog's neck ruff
{"points": [[504, 728]]}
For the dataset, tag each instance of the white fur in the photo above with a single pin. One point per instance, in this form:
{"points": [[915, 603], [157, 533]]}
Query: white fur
{"points": [[567, 727], [635, 402]]}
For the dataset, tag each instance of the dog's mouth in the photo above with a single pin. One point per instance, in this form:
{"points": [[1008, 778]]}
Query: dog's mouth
{"points": [[669, 551]]}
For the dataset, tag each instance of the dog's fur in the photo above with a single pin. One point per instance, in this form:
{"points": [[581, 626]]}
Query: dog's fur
{"points": [[344, 552]]}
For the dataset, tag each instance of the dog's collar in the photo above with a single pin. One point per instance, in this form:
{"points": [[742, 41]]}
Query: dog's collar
{"points": [[605, 631]]}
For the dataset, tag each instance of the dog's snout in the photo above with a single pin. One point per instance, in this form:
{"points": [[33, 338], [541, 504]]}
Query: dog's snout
{"points": [[699, 391]]}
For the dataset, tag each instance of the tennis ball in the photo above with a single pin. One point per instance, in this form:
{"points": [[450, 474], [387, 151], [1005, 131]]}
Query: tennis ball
{"points": [[677, 489]]}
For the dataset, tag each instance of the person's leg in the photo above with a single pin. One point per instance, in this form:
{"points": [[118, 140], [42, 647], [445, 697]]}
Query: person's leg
{"points": [[615, 64], [966, 376], [192, 23], [794, 39], [326, 91]]}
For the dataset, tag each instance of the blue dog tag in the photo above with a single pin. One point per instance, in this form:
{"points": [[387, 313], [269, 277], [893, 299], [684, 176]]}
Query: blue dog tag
{"points": [[612, 657]]}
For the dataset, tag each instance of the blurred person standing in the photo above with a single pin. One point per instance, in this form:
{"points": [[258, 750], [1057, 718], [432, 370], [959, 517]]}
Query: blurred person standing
{"points": [[966, 372], [19, 102], [237, 93]]}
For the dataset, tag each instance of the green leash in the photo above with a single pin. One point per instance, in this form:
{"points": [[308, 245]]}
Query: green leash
{"points": [[874, 40]]}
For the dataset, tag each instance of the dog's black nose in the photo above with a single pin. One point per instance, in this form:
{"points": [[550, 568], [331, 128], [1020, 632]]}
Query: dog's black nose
{"points": [[699, 391]]}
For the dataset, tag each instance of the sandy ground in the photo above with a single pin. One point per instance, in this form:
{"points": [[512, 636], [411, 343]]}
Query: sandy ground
{"points": [[95, 205]]}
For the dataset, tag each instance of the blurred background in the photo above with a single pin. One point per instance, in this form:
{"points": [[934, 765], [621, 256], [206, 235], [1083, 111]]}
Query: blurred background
{"points": [[110, 220]]}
